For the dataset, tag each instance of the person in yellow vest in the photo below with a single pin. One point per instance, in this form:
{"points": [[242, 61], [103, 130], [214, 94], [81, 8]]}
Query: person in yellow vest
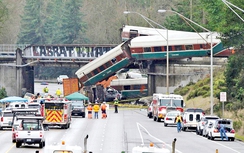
{"points": [[96, 110], [45, 90], [178, 121], [89, 109], [58, 92], [116, 103]]}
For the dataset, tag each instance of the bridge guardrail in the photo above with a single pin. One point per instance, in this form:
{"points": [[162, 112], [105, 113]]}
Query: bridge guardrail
{"points": [[11, 47]]}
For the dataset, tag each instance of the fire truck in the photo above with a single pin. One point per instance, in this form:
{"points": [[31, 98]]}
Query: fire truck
{"points": [[57, 113], [163, 103]]}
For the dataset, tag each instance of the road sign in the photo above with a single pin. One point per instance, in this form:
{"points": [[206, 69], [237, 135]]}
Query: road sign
{"points": [[223, 96]]}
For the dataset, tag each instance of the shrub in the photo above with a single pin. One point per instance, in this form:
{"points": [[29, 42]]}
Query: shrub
{"points": [[3, 93], [182, 90], [237, 125]]}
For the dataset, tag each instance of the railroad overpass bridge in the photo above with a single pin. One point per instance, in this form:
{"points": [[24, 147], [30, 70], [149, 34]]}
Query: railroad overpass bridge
{"points": [[17, 64]]}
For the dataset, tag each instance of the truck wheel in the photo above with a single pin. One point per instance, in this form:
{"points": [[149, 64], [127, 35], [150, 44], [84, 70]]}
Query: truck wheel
{"points": [[18, 144], [165, 124], [44, 143], [41, 145], [158, 119], [154, 118]]}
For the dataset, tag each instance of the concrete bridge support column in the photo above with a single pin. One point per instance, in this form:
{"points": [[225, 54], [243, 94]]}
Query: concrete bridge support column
{"points": [[24, 76], [151, 85], [19, 78]]}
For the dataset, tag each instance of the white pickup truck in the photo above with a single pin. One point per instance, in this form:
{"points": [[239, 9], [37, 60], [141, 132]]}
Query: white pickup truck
{"points": [[30, 131]]}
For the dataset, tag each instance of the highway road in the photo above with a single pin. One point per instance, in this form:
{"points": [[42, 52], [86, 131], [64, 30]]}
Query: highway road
{"points": [[121, 132]]}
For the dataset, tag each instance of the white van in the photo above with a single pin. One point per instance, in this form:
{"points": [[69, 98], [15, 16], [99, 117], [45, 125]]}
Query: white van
{"points": [[191, 117], [6, 119]]}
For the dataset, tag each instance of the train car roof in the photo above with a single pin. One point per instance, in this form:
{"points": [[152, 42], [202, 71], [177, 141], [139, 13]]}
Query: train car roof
{"points": [[104, 57], [149, 41]]}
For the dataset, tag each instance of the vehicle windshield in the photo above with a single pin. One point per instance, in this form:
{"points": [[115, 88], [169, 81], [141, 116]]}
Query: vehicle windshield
{"points": [[54, 105], [225, 123], [31, 125], [7, 114], [77, 105], [62, 151], [63, 76], [177, 103], [34, 106], [165, 102], [173, 114]]}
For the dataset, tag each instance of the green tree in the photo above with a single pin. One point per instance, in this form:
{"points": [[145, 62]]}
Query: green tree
{"points": [[3, 14], [189, 9], [71, 24], [31, 31], [222, 19], [3, 93]]}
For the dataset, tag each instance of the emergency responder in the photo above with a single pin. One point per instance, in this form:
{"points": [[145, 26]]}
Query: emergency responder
{"points": [[89, 109], [45, 90], [116, 103], [58, 92], [103, 109], [178, 121], [96, 110]]}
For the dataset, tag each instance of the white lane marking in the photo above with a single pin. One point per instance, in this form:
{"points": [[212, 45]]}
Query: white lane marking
{"points": [[138, 124], [220, 144], [226, 147]]}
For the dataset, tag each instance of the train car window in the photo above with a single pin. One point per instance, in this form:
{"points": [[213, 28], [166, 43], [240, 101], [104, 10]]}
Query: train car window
{"points": [[126, 87], [133, 33], [157, 49], [165, 48], [101, 68], [201, 46], [147, 49], [189, 47], [89, 75], [96, 71], [108, 64], [178, 47], [143, 35], [137, 87]]}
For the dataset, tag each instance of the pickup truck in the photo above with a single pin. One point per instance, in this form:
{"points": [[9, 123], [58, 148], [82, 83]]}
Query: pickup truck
{"points": [[30, 131], [60, 78]]}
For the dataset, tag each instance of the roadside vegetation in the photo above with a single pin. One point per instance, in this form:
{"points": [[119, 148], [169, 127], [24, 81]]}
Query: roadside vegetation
{"points": [[197, 95]]}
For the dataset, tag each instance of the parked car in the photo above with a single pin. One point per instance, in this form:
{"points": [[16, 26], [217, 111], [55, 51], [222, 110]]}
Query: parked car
{"points": [[203, 121], [214, 129], [170, 118], [6, 119], [60, 78], [207, 127], [149, 110], [191, 117], [78, 109]]}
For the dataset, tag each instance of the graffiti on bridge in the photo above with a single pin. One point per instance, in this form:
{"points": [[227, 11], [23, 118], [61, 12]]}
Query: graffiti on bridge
{"points": [[67, 51]]}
